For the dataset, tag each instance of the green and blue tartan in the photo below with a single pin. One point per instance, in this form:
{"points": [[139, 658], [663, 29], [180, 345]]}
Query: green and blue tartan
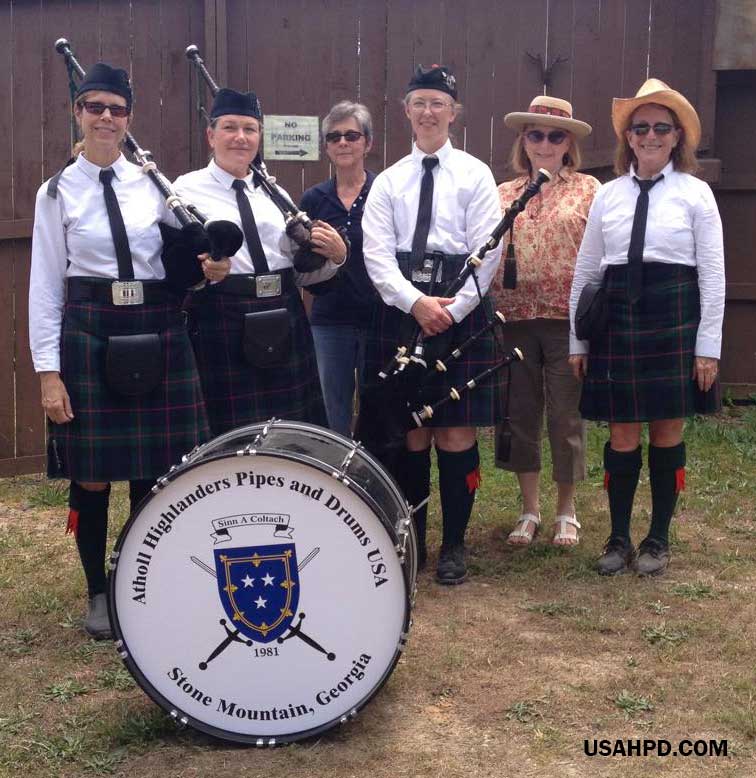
{"points": [[641, 368], [391, 327], [115, 438], [237, 393]]}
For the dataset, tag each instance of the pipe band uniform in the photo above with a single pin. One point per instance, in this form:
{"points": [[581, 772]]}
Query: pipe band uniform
{"points": [[118, 376], [251, 337], [424, 217]]}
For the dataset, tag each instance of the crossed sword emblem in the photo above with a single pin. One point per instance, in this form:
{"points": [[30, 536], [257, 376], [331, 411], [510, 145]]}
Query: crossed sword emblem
{"points": [[232, 635]]}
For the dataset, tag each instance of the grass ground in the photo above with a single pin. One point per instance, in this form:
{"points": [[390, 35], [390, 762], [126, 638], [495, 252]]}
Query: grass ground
{"points": [[507, 675]]}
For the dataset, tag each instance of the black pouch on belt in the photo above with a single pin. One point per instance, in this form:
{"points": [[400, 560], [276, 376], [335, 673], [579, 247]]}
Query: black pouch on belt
{"points": [[267, 337], [134, 364], [592, 312]]}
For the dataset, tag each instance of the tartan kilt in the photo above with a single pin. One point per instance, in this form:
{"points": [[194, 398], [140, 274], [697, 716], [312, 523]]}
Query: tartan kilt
{"points": [[641, 368], [478, 407], [237, 393], [116, 438]]}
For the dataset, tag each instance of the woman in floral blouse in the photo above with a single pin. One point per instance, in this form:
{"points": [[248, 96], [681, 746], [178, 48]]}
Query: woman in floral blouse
{"points": [[546, 239]]}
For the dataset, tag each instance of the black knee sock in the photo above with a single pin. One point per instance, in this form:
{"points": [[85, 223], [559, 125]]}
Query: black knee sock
{"points": [[621, 480], [88, 520], [666, 471], [414, 480], [458, 479], [138, 490]]}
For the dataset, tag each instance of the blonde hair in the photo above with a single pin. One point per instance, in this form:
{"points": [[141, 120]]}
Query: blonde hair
{"points": [[683, 155], [520, 161]]}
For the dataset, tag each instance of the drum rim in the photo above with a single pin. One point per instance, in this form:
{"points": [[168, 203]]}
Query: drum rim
{"points": [[184, 719]]}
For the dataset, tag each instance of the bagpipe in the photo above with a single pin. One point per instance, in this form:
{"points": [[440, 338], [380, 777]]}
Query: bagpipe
{"points": [[198, 234], [297, 223], [402, 397]]}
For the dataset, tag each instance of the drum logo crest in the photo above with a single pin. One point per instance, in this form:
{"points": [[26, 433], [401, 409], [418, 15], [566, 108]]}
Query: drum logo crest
{"points": [[259, 588]]}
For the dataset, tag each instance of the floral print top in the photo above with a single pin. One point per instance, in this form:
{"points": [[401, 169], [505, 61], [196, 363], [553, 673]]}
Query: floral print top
{"points": [[546, 237]]}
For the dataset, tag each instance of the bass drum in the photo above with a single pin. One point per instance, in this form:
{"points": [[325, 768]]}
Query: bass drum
{"points": [[262, 592]]}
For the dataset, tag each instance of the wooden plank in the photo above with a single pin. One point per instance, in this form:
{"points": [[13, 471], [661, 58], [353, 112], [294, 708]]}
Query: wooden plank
{"points": [[7, 393], [426, 32], [22, 466], [196, 128], [27, 85], [6, 117], [85, 32], [399, 66], [175, 88], [16, 228], [589, 59], [707, 83], [454, 54], [241, 53], [115, 34], [372, 68], [479, 86], [560, 44], [30, 426], [635, 47], [146, 74], [56, 118]]}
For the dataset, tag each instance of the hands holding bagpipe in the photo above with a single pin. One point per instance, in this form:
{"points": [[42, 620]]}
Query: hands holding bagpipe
{"points": [[431, 314]]}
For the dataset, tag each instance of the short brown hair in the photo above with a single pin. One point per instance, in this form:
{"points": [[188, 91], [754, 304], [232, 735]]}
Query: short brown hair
{"points": [[683, 155], [520, 162]]}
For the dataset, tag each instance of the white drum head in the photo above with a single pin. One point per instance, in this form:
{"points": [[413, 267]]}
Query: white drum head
{"points": [[258, 598]]}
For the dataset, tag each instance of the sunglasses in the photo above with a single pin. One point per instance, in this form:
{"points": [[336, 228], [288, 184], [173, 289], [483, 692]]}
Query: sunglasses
{"points": [[660, 128], [117, 111], [555, 136], [351, 136]]}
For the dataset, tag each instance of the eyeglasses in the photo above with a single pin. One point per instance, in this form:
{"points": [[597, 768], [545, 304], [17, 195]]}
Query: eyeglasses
{"points": [[435, 106], [350, 136], [660, 128], [118, 111], [555, 136]]}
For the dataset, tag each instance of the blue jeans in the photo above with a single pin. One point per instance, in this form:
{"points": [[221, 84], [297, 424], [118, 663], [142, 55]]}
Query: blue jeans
{"points": [[340, 349]]}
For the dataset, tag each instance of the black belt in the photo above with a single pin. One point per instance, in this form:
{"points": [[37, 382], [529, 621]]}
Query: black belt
{"points": [[261, 286], [83, 289], [449, 267]]}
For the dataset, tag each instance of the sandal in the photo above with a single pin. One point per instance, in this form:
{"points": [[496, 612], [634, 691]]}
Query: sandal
{"points": [[561, 534], [521, 530]]}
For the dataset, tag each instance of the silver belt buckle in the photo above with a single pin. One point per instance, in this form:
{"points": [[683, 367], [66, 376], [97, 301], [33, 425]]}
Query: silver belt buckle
{"points": [[127, 292], [423, 275], [268, 286]]}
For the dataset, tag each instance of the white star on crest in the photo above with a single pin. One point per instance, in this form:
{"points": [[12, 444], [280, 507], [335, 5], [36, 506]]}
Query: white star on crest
{"points": [[248, 581], [268, 578], [260, 602]]}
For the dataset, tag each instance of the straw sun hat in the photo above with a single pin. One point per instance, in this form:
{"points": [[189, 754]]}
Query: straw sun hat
{"points": [[549, 111]]}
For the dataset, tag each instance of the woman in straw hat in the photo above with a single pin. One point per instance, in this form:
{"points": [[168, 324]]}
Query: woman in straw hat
{"points": [[546, 237], [655, 236]]}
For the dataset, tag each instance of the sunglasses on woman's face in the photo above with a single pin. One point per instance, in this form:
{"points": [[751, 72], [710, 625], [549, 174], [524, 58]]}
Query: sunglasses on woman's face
{"points": [[118, 111], [351, 136], [555, 136], [660, 128]]}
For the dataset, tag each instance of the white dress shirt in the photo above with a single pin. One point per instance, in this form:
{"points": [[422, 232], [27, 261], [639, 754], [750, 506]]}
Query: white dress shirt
{"points": [[211, 191], [465, 212], [72, 237], [683, 227]]}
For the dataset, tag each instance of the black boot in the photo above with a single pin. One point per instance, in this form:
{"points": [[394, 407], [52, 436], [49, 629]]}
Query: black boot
{"points": [[414, 480], [621, 480], [458, 478], [88, 520], [666, 468]]}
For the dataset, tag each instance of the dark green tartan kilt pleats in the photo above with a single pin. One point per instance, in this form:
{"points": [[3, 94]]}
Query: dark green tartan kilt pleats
{"points": [[477, 407], [237, 393], [116, 438], [641, 368]]}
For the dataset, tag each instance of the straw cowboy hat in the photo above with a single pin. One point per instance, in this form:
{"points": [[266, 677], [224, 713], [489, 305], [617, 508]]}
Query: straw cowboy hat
{"points": [[655, 91], [550, 111]]}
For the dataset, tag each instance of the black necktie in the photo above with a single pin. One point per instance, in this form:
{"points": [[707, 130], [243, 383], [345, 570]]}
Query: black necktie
{"points": [[117, 227], [638, 239], [251, 235], [420, 238]]}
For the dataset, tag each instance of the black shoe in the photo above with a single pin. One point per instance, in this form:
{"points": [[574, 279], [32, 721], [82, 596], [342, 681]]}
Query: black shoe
{"points": [[451, 568], [97, 622], [653, 557], [617, 556]]}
